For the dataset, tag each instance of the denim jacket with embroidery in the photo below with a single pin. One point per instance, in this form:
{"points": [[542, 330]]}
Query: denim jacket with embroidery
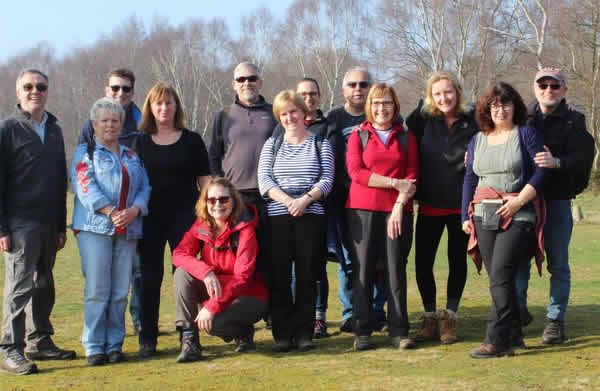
{"points": [[98, 184]]}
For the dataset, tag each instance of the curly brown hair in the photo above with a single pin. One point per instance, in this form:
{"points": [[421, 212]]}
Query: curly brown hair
{"points": [[201, 205], [503, 93]]}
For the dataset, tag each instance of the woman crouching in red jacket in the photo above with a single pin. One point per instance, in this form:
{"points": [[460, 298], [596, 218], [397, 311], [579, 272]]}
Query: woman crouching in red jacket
{"points": [[215, 263]]}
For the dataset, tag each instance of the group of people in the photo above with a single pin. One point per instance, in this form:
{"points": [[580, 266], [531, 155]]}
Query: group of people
{"points": [[252, 220]]}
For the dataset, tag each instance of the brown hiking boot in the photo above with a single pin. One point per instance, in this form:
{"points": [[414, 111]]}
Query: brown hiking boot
{"points": [[488, 350], [447, 327], [429, 328]]}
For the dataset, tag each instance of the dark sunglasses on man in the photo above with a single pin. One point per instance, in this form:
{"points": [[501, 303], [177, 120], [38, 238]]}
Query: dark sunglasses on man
{"points": [[361, 84], [243, 79], [126, 89], [39, 86], [543, 86]]}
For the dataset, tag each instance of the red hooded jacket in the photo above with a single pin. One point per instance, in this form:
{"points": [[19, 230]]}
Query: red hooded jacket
{"points": [[235, 271]]}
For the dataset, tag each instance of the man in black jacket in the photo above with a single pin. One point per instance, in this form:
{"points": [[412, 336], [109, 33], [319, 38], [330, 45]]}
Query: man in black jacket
{"points": [[33, 190], [569, 156]]}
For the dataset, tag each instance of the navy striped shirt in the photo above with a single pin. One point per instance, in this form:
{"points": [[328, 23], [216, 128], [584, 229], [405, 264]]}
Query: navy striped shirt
{"points": [[296, 171]]}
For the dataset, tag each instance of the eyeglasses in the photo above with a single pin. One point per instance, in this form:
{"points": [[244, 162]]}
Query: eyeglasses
{"points": [[309, 93], [386, 103], [502, 106], [250, 79], [222, 200], [126, 89], [40, 87], [361, 84], [543, 86]]}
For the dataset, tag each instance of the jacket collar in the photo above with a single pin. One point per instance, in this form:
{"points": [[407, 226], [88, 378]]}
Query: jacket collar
{"points": [[249, 217], [22, 115], [561, 110], [259, 103]]}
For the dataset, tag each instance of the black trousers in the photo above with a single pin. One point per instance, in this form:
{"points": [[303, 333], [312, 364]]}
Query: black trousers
{"points": [[428, 233], [299, 240], [502, 252], [158, 230], [367, 231], [235, 321]]}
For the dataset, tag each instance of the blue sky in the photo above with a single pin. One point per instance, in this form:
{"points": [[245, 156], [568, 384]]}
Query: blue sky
{"points": [[68, 24]]}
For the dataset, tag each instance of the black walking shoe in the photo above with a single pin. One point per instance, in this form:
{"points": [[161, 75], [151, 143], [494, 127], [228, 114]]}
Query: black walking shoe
{"points": [[346, 326], [282, 346], [14, 362], [362, 342], [488, 350], [147, 350], [526, 317], [190, 349], [554, 332], [116, 357], [49, 351], [304, 344]]}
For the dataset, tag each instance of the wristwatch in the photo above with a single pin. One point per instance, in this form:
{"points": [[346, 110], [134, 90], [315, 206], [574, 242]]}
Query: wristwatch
{"points": [[557, 162]]}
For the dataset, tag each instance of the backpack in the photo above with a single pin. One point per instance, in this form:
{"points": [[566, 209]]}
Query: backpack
{"points": [[579, 180]]}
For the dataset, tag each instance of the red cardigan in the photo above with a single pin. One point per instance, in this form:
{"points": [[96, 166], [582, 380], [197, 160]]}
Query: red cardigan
{"points": [[391, 160], [234, 271]]}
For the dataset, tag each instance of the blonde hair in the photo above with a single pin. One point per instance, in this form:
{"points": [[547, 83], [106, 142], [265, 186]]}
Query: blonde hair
{"points": [[159, 92], [201, 205], [379, 90], [429, 106], [285, 97]]}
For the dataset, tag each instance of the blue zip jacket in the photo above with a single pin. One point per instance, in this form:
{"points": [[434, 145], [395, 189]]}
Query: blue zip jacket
{"points": [[98, 184]]}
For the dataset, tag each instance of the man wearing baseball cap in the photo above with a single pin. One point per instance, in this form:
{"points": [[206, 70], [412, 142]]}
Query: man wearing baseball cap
{"points": [[569, 155]]}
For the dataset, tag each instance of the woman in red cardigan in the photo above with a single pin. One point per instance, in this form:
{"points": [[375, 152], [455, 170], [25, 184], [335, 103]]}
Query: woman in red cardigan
{"points": [[216, 262], [383, 164]]}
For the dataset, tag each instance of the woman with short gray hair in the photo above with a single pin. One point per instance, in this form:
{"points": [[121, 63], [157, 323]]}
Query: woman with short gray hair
{"points": [[111, 194]]}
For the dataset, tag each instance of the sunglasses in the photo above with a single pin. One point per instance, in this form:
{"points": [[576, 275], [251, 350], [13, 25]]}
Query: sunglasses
{"points": [[243, 79], [543, 86], [40, 87], [309, 93], [126, 89], [361, 84], [222, 200]]}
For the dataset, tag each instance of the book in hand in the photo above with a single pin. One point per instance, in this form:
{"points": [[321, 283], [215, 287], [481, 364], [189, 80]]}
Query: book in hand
{"points": [[490, 220]]}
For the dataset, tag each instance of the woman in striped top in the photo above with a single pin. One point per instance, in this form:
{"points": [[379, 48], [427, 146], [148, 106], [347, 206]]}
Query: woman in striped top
{"points": [[295, 173]]}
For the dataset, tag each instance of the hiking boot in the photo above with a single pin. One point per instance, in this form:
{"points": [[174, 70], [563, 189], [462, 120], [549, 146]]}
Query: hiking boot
{"points": [[116, 357], [147, 350], [245, 344], [94, 360], [362, 342], [190, 349], [488, 350], [429, 328], [346, 326], [47, 350], [447, 327], [403, 343], [380, 325], [14, 362], [320, 330], [554, 332]]}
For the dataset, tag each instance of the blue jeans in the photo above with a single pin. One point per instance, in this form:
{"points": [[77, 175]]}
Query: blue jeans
{"points": [[106, 262], [336, 245], [557, 235], [136, 291]]}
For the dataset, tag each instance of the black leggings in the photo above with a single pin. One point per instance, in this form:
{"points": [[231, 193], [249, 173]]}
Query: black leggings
{"points": [[157, 232], [367, 236], [502, 253], [427, 239]]}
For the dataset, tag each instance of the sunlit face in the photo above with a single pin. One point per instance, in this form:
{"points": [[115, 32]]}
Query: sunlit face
{"points": [[116, 90], [246, 84], [291, 117], [356, 89], [29, 94], [382, 110], [164, 110], [219, 203], [310, 94], [444, 96], [502, 114], [107, 127], [549, 92]]}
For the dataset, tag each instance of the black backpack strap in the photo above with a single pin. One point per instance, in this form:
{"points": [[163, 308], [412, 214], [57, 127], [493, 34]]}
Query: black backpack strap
{"points": [[402, 137], [364, 137]]}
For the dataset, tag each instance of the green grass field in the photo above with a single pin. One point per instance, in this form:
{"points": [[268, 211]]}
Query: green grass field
{"points": [[574, 365]]}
